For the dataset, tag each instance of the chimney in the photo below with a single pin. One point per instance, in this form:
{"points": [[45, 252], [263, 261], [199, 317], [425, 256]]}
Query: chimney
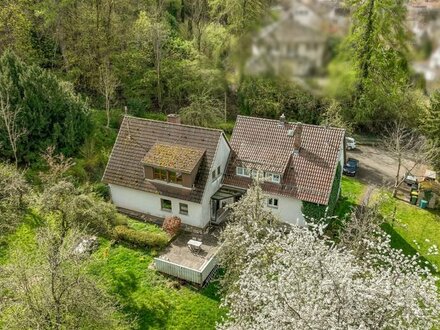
{"points": [[297, 138], [173, 118], [282, 120]]}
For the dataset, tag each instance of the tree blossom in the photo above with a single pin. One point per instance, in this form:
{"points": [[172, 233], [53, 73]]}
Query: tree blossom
{"points": [[289, 277]]}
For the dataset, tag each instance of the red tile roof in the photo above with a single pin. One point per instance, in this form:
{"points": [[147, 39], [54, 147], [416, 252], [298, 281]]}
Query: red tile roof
{"points": [[264, 144], [136, 138]]}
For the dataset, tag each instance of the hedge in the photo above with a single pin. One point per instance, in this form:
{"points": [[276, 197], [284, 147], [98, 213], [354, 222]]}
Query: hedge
{"points": [[141, 238], [316, 212]]}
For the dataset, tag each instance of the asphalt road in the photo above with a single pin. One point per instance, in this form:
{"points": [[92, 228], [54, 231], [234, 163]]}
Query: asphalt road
{"points": [[377, 166]]}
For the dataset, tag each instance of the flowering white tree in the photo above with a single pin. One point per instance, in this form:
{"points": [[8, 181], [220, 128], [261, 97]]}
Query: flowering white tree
{"points": [[297, 279], [249, 224]]}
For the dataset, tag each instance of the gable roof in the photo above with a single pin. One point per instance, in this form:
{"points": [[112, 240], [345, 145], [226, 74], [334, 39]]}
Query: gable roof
{"points": [[307, 176], [289, 30], [173, 157], [138, 137]]}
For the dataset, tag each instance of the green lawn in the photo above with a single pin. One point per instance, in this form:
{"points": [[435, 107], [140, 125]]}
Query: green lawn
{"points": [[414, 229], [148, 299], [352, 191]]}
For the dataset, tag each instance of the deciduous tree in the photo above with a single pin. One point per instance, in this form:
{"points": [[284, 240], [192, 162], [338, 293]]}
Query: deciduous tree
{"points": [[14, 198], [107, 86], [203, 111], [10, 116], [407, 147], [48, 287], [290, 277]]}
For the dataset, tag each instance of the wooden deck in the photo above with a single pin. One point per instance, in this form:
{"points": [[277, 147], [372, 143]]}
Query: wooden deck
{"points": [[179, 261]]}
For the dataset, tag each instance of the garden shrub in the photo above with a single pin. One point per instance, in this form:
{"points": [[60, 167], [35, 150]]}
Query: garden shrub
{"points": [[120, 220], [140, 238], [102, 190], [172, 225]]}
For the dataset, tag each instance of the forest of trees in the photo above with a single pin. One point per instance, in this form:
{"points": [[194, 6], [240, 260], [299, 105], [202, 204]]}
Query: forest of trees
{"points": [[168, 56], [188, 56]]}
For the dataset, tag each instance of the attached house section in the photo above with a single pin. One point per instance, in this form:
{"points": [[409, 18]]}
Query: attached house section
{"points": [[159, 169], [295, 162]]}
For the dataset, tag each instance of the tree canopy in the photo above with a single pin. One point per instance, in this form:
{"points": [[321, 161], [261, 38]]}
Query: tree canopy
{"points": [[285, 276], [50, 112]]}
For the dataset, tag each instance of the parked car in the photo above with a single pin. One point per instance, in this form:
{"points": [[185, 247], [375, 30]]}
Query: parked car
{"points": [[350, 143], [351, 167], [410, 179]]}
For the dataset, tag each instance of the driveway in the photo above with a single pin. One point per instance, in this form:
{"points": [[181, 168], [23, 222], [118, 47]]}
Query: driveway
{"points": [[377, 166]]}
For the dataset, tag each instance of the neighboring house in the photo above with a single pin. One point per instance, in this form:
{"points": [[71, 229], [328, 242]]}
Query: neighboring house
{"points": [[297, 161], [288, 47], [158, 169], [296, 45]]}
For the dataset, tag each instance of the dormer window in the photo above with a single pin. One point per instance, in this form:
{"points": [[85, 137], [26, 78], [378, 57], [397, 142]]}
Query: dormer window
{"points": [[268, 176], [159, 174], [272, 177], [166, 175], [172, 163], [256, 173], [242, 171]]}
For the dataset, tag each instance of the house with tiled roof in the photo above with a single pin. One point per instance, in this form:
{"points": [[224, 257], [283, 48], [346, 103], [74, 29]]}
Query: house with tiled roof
{"points": [[157, 169], [297, 162]]}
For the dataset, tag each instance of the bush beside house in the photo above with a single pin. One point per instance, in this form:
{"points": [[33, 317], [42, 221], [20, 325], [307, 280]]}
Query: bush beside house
{"points": [[141, 238], [171, 225]]}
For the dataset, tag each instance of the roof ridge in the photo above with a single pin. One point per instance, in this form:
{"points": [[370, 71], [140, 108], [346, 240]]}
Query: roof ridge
{"points": [[294, 123], [184, 125]]}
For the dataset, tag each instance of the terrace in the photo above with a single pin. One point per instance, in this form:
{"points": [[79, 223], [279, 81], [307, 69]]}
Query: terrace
{"points": [[194, 266]]}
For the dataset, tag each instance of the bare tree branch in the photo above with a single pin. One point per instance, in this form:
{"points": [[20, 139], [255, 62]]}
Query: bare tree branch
{"points": [[9, 116]]}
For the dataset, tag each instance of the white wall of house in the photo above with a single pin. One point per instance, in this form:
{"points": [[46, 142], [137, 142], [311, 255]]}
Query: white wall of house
{"points": [[342, 154], [289, 209], [148, 203], [220, 159]]}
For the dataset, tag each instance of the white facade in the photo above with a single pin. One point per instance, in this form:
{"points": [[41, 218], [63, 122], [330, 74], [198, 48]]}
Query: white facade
{"points": [[289, 209], [150, 203], [220, 159]]}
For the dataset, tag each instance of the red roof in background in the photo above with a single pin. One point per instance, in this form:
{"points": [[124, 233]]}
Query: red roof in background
{"points": [[265, 145]]}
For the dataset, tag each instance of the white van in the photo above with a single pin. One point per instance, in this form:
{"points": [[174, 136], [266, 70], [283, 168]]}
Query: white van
{"points": [[350, 143]]}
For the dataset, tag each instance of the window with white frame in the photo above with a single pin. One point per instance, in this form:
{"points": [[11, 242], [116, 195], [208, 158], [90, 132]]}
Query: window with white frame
{"points": [[242, 171], [272, 177], [272, 202], [216, 173], [258, 173]]}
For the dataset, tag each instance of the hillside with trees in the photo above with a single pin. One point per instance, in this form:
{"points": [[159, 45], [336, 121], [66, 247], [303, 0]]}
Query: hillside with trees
{"points": [[69, 72]]}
